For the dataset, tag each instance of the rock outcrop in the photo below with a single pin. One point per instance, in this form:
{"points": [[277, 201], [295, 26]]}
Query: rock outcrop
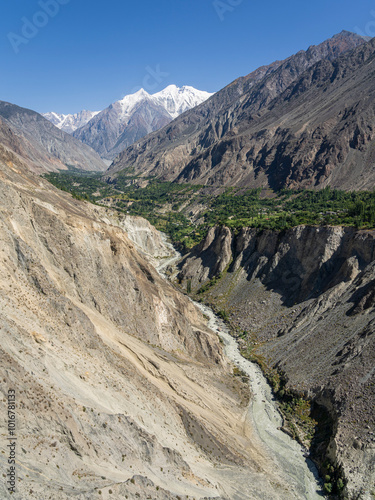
{"points": [[307, 298], [147, 239]]}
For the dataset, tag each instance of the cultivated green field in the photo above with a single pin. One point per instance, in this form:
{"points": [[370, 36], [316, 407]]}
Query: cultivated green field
{"points": [[185, 212]]}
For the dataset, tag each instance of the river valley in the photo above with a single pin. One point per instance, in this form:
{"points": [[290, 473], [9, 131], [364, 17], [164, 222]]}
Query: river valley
{"points": [[290, 459]]}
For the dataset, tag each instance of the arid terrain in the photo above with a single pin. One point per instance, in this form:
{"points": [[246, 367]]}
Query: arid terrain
{"points": [[122, 390], [307, 121], [130, 371], [304, 298]]}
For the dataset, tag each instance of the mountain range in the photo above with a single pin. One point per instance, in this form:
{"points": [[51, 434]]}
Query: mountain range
{"points": [[102, 350], [125, 121], [305, 121], [43, 146], [123, 389], [70, 123]]}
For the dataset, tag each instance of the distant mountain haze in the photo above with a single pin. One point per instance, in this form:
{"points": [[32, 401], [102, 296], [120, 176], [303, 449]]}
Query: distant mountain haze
{"points": [[70, 123], [43, 146], [133, 117]]}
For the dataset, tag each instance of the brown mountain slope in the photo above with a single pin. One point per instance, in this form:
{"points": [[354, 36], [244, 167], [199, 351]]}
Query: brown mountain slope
{"points": [[44, 146], [38, 161], [219, 142], [320, 131], [121, 389], [306, 299]]}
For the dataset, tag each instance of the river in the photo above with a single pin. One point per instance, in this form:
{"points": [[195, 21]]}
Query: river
{"points": [[262, 411]]}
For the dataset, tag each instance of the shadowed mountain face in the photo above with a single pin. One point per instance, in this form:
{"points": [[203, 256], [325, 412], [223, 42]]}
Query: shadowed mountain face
{"points": [[109, 136], [36, 159], [42, 145], [304, 121]]}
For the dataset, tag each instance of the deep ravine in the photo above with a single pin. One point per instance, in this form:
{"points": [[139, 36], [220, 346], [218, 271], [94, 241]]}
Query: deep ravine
{"points": [[262, 411]]}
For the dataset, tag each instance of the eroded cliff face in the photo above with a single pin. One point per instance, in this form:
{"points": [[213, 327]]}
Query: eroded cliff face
{"points": [[121, 388], [307, 297], [148, 240]]}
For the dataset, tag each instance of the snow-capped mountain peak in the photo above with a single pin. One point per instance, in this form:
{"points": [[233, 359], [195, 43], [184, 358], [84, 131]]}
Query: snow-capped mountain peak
{"points": [[129, 119], [138, 94], [174, 100], [70, 123], [128, 103], [177, 100]]}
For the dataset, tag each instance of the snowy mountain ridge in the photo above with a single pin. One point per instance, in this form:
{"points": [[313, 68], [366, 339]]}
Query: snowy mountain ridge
{"points": [[175, 100], [69, 123], [136, 115]]}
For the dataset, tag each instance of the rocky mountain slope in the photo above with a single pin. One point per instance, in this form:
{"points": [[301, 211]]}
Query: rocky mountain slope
{"points": [[43, 145], [304, 121], [306, 299], [121, 388], [136, 115], [70, 123], [37, 160]]}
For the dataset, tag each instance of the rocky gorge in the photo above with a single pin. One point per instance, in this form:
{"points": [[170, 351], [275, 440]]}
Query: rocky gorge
{"points": [[122, 389], [302, 301]]}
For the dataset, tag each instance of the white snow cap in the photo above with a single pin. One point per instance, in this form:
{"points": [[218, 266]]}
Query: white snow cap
{"points": [[174, 99], [70, 123]]}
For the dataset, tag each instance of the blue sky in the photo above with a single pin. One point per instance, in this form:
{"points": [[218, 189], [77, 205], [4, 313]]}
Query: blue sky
{"points": [[85, 54]]}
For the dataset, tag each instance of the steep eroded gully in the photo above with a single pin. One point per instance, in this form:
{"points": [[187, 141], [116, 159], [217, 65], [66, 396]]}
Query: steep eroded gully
{"points": [[262, 411]]}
